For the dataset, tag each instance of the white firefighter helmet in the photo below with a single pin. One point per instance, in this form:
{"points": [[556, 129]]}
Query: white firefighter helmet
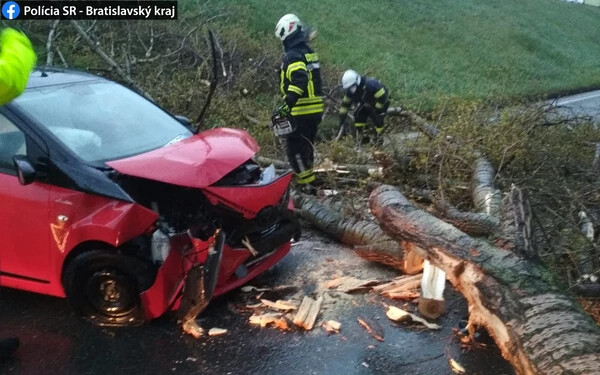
{"points": [[350, 80], [287, 25]]}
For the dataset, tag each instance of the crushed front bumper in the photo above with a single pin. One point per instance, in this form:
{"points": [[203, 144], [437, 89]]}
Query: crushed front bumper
{"points": [[192, 266]]}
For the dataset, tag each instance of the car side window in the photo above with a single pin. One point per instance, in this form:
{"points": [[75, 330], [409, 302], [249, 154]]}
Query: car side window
{"points": [[12, 142]]}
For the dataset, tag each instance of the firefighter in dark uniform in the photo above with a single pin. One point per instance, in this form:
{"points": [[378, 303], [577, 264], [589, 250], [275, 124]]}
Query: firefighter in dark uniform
{"points": [[371, 99], [300, 85]]}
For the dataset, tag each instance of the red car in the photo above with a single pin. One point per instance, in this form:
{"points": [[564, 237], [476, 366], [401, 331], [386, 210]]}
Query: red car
{"points": [[110, 201]]}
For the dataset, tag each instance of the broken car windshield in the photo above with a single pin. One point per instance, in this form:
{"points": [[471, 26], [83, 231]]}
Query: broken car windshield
{"points": [[101, 121]]}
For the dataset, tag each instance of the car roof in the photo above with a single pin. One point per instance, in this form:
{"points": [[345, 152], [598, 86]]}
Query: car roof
{"points": [[41, 77]]}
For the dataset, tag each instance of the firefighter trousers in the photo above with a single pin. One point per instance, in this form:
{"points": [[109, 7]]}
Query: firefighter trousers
{"points": [[364, 112], [300, 146]]}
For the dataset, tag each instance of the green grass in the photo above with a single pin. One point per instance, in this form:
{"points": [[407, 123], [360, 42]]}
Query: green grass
{"points": [[430, 51]]}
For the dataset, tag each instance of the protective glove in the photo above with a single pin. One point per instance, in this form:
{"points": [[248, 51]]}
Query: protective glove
{"points": [[284, 110]]}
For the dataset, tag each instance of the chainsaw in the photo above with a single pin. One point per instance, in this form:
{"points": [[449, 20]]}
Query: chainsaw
{"points": [[281, 125]]}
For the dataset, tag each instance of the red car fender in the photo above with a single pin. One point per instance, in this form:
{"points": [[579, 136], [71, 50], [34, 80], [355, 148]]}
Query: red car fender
{"points": [[104, 220]]}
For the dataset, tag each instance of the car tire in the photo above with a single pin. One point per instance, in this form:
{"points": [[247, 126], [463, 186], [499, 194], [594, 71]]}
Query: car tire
{"points": [[104, 287]]}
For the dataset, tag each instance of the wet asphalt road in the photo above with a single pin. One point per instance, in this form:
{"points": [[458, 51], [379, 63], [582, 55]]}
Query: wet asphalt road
{"points": [[586, 104], [54, 341]]}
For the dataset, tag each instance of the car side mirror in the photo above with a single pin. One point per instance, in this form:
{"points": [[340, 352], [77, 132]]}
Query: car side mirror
{"points": [[25, 170], [184, 120]]}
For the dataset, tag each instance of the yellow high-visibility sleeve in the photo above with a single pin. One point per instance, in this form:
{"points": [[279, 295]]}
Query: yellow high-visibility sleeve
{"points": [[17, 60]]}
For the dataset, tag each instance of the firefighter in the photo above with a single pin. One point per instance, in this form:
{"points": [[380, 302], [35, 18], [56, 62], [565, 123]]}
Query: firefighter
{"points": [[17, 60], [371, 99], [300, 85]]}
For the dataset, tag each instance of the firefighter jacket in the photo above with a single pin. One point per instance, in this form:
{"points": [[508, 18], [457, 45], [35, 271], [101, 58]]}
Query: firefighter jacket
{"points": [[17, 59], [370, 93], [300, 77]]}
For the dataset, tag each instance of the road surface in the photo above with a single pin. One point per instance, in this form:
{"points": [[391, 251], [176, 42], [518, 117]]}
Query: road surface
{"points": [[57, 342], [586, 104]]}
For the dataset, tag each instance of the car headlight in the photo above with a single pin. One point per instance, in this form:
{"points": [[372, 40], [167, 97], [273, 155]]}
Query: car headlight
{"points": [[161, 244]]}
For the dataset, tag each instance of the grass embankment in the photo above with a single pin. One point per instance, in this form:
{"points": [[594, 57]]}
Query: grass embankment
{"points": [[427, 51]]}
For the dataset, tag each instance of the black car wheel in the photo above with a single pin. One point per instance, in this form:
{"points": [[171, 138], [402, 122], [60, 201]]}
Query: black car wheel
{"points": [[104, 287]]}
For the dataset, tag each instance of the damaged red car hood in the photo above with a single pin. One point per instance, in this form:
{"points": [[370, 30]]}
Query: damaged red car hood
{"points": [[196, 162]]}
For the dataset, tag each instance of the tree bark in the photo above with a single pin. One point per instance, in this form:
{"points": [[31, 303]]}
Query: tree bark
{"points": [[516, 223], [486, 197], [370, 241], [538, 326], [472, 223]]}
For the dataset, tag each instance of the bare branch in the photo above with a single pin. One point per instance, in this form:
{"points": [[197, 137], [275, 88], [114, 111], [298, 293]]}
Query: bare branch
{"points": [[62, 58], [96, 48], [51, 36]]}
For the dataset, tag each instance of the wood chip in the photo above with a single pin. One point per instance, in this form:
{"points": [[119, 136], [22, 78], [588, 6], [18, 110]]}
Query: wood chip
{"points": [[217, 331], [191, 327], [254, 306], [308, 312], [398, 282], [276, 320], [349, 284], [303, 311], [410, 295], [311, 317], [283, 323], [279, 305], [410, 285], [264, 319], [398, 315], [456, 367], [332, 326], [372, 327]]}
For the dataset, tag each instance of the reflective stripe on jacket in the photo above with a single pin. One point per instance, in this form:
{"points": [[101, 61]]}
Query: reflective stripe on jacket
{"points": [[300, 78], [371, 92]]}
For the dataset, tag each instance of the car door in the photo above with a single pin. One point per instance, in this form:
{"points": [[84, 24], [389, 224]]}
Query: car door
{"points": [[24, 210]]}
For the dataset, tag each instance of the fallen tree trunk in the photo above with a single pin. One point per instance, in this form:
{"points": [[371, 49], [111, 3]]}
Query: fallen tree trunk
{"points": [[429, 130], [473, 223], [369, 241], [537, 326], [486, 197], [516, 224]]}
